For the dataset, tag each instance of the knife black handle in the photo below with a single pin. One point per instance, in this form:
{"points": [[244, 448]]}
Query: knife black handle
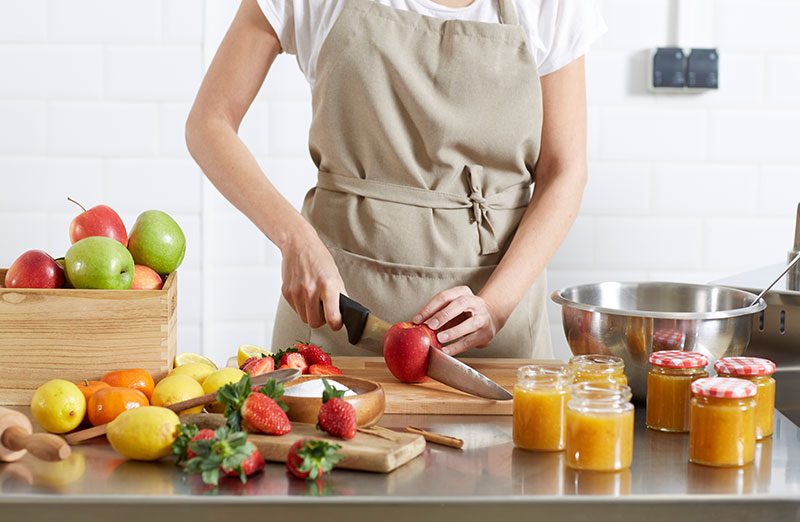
{"points": [[354, 317]]}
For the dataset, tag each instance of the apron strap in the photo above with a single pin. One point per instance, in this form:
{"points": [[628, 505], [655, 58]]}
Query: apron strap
{"points": [[507, 13], [513, 197]]}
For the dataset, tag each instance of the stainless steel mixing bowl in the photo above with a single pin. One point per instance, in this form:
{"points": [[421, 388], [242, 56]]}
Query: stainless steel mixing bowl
{"points": [[632, 320]]}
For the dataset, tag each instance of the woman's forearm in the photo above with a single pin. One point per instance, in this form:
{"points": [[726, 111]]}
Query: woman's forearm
{"points": [[545, 224], [233, 170]]}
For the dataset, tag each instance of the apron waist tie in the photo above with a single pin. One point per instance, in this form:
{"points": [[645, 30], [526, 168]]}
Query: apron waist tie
{"points": [[513, 197]]}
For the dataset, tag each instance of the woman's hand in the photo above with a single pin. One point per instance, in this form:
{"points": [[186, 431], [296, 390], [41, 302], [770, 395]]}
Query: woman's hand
{"points": [[311, 280], [461, 318]]}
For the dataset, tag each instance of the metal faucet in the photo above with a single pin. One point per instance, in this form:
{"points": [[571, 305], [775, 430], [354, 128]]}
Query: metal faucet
{"points": [[793, 279]]}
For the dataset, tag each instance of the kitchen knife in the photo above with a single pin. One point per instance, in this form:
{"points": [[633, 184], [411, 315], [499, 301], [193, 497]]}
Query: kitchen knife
{"points": [[366, 330], [284, 375]]}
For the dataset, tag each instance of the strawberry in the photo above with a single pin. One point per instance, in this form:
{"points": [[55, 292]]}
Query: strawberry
{"points": [[258, 410], [261, 413], [313, 354], [228, 451], [294, 360], [336, 415], [255, 462], [258, 365], [311, 458], [187, 435], [323, 369]]}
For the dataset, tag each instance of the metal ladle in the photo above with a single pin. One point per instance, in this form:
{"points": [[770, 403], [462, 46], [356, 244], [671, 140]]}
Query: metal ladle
{"points": [[764, 291]]}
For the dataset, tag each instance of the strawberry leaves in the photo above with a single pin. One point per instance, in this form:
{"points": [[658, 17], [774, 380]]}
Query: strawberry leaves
{"points": [[330, 392], [232, 396], [274, 390], [181, 444], [279, 355], [318, 457], [227, 450]]}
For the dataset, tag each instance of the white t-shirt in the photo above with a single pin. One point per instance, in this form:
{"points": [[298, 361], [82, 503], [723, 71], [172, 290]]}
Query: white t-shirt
{"points": [[559, 31]]}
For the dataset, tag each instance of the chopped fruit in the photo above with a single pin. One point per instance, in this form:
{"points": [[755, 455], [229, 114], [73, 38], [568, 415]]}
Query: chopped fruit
{"points": [[191, 357], [313, 354], [247, 351], [323, 369], [294, 360], [311, 458], [227, 451], [336, 415], [258, 365], [256, 411]]}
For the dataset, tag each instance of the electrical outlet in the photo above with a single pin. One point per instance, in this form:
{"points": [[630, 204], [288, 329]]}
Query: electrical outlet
{"points": [[675, 69]]}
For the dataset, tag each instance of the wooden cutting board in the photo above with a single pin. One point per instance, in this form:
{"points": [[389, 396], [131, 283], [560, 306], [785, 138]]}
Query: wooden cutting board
{"points": [[364, 452], [433, 397]]}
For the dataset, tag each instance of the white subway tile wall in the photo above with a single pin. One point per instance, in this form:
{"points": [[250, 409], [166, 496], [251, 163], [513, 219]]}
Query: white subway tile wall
{"points": [[94, 96]]}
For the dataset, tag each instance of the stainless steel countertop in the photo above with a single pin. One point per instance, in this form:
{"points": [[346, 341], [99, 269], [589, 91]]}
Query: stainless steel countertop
{"points": [[488, 477]]}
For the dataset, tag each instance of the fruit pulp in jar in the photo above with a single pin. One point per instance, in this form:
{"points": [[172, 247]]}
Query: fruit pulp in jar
{"points": [[539, 417], [587, 375], [722, 432], [668, 395], [765, 402], [600, 440]]}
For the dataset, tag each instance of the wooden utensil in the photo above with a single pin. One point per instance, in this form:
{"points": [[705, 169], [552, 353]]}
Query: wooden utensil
{"points": [[369, 402], [17, 438], [364, 452], [286, 374]]}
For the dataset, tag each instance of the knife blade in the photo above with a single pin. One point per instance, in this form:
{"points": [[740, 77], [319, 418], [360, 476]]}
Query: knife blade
{"points": [[366, 330]]}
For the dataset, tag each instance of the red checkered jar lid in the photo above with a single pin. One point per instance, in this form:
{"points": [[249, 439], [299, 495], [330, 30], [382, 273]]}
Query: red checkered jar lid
{"points": [[678, 359], [744, 366], [724, 388]]}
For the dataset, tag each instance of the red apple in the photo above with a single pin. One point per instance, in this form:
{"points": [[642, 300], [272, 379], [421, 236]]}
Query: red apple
{"points": [[97, 221], [145, 278], [35, 269], [405, 350]]}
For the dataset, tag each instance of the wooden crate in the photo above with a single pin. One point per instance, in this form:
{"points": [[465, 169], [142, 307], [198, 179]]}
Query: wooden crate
{"points": [[82, 334]]}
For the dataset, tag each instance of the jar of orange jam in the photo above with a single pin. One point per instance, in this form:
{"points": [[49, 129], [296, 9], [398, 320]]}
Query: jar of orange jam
{"points": [[540, 399], [722, 422], [598, 368], [759, 372], [599, 426], [668, 388]]}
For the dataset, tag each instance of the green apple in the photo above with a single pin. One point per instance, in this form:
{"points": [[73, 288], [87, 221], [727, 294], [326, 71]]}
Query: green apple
{"points": [[99, 262], [157, 241]]}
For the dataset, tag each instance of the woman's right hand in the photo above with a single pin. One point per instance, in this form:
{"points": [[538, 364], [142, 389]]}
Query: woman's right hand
{"points": [[311, 280]]}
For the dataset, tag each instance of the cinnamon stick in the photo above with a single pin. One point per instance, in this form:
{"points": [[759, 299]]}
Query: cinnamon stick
{"points": [[436, 438]]}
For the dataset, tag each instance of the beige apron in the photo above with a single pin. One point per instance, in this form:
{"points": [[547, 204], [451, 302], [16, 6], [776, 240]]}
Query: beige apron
{"points": [[425, 133]]}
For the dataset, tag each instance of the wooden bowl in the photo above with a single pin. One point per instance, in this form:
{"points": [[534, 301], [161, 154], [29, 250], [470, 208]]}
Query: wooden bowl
{"points": [[369, 400]]}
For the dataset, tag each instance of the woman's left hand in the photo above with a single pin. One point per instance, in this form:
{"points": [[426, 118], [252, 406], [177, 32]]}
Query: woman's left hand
{"points": [[461, 318]]}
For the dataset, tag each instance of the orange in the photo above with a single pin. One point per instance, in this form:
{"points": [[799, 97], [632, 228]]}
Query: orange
{"points": [[88, 388], [134, 378], [106, 403]]}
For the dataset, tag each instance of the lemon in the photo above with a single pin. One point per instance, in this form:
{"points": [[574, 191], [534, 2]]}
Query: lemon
{"points": [[249, 350], [145, 433], [217, 380], [197, 371], [191, 357], [177, 388], [58, 406]]}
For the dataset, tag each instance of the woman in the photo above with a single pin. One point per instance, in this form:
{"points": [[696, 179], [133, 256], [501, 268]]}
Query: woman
{"points": [[431, 121]]}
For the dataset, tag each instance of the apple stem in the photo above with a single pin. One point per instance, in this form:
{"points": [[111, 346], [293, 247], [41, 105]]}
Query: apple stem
{"points": [[82, 207]]}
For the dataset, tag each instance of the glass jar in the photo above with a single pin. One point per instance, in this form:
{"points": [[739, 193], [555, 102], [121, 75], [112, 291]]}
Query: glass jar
{"points": [[759, 372], [722, 424], [668, 388], [540, 399], [599, 426], [598, 368]]}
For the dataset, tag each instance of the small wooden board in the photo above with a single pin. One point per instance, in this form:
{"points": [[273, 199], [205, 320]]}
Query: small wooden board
{"points": [[364, 452], [433, 397]]}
